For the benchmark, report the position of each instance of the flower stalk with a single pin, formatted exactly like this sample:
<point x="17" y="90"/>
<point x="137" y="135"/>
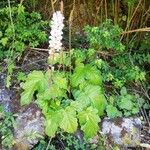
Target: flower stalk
<point x="55" y="38"/>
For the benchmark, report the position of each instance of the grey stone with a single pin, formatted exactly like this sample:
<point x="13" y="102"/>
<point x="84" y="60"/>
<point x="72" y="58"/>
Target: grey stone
<point x="5" y="94"/>
<point x="29" y="128"/>
<point x="122" y="131"/>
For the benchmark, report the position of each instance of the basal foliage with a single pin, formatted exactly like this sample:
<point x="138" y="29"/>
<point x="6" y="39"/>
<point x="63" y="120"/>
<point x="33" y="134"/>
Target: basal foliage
<point x="85" y="105"/>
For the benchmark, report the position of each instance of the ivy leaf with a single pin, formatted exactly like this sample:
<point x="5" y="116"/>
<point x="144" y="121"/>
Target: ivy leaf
<point x="35" y="82"/>
<point x="52" y="123"/>
<point x="69" y="121"/>
<point x="89" y="120"/>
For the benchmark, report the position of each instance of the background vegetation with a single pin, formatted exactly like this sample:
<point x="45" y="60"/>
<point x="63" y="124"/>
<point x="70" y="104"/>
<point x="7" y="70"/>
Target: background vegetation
<point x="108" y="42"/>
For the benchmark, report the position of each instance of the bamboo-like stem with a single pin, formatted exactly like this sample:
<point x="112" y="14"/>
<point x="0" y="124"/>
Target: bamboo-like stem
<point x="106" y="9"/>
<point x="129" y="21"/>
<point x="97" y="13"/>
<point x="101" y="11"/>
<point x="137" y="30"/>
<point x="116" y="11"/>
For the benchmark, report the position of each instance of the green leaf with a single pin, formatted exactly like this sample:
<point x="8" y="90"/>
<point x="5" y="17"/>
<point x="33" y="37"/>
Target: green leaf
<point x="21" y="76"/>
<point x="35" y="82"/>
<point x="21" y="9"/>
<point x="19" y="46"/>
<point x="97" y="97"/>
<point x="56" y="92"/>
<point x="89" y="120"/>
<point x="52" y="123"/>
<point x="26" y="96"/>
<point x="76" y="106"/>
<point x="79" y="55"/>
<point x="60" y="80"/>
<point x="123" y="91"/>
<point x="127" y="113"/>
<point x="78" y="76"/>
<point x="83" y="99"/>
<point x="1" y="34"/>
<point x="88" y="72"/>
<point x="100" y="103"/>
<point x="91" y="95"/>
<point x="4" y="41"/>
<point x="146" y="106"/>
<point x="135" y="110"/>
<point x="44" y="96"/>
<point x="112" y="112"/>
<point x="93" y="75"/>
<point x="44" y="105"/>
<point x="125" y="104"/>
<point x="69" y="121"/>
<point x="8" y="81"/>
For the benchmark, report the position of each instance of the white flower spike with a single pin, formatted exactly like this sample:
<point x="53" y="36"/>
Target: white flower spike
<point x="56" y="32"/>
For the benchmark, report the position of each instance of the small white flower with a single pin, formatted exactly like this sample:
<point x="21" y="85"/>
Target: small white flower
<point x="56" y="31"/>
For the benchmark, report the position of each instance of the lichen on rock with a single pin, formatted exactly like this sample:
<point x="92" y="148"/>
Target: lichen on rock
<point x="122" y="131"/>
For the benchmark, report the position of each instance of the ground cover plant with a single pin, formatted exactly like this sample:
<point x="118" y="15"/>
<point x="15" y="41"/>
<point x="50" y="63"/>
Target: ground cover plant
<point x="93" y="71"/>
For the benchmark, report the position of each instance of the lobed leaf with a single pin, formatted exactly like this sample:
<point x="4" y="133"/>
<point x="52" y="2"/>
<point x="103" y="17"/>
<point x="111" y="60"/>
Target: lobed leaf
<point x="89" y="120"/>
<point x="69" y="121"/>
<point x="35" y="82"/>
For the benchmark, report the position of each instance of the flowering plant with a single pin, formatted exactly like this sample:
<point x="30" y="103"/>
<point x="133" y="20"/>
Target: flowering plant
<point x="70" y="97"/>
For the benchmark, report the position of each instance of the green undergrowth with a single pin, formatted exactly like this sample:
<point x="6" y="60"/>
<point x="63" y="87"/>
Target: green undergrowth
<point x="19" y="31"/>
<point x="6" y="127"/>
<point x="80" y="97"/>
